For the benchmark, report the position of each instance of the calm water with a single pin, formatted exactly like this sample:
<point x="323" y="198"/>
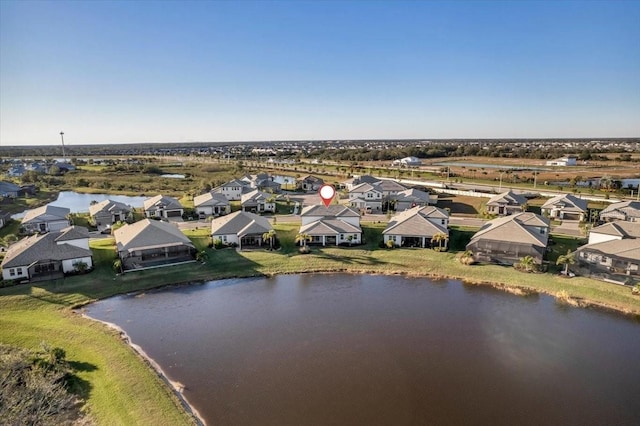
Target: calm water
<point x="79" y="202"/>
<point x="376" y="350"/>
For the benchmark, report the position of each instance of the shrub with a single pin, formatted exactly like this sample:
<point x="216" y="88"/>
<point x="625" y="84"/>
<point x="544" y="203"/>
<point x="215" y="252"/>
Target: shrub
<point x="304" y="250"/>
<point x="390" y="244"/>
<point x="636" y="290"/>
<point x="217" y="243"/>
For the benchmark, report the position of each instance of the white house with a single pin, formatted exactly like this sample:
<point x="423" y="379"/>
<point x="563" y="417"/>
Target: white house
<point x="48" y="256"/>
<point x="566" y="206"/>
<point x="365" y="196"/>
<point x="211" y="204"/>
<point x="241" y="228"/>
<point x="258" y="202"/>
<point x="416" y="227"/>
<point x="232" y="190"/>
<point x="408" y="162"/>
<point x="333" y="225"/>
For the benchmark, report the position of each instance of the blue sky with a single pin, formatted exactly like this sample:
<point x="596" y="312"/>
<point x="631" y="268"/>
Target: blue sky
<point x="143" y="71"/>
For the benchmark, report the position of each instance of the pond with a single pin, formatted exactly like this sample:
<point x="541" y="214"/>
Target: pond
<point x="378" y="350"/>
<point x="80" y="202"/>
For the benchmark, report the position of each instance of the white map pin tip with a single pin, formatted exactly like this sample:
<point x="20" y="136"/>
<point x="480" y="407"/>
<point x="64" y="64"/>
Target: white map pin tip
<point x="327" y="193"/>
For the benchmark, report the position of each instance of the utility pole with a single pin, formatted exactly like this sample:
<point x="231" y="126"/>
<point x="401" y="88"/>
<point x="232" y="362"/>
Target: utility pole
<point x="63" y="156"/>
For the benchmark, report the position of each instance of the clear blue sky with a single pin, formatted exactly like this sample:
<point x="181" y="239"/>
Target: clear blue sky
<point x="143" y="71"/>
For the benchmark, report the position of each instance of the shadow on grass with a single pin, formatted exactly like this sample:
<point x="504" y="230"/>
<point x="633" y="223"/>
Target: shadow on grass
<point x="77" y="385"/>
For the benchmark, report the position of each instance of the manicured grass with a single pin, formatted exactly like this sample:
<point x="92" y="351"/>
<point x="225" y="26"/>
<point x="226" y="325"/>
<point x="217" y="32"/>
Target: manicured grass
<point x="120" y="389"/>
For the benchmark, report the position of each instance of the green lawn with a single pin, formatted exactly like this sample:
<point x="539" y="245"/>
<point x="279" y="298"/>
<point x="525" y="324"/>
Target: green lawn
<point x="121" y="389"/>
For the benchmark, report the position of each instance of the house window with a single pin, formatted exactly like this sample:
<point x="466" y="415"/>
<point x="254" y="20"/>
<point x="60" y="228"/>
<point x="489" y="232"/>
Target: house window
<point x="342" y="236"/>
<point x="444" y="222"/>
<point x="542" y="231"/>
<point x="224" y="238"/>
<point x="12" y="272"/>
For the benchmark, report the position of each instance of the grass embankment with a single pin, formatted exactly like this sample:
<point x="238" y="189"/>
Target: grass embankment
<point x="120" y="389"/>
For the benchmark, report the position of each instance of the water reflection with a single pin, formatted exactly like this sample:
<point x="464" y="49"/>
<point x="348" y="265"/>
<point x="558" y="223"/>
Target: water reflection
<point x="362" y="349"/>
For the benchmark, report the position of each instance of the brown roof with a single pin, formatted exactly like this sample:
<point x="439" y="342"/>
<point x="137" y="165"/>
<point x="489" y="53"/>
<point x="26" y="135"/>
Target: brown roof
<point x="415" y="222"/>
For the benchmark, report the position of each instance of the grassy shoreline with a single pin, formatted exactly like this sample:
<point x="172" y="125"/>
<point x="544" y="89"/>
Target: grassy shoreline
<point x="122" y="388"/>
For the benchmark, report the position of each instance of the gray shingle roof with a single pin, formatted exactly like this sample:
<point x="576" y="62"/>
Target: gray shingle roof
<point x="46" y="214"/>
<point x="240" y="223"/>
<point x="568" y="202"/>
<point x="210" y="199"/>
<point x="509" y="198"/>
<point x="519" y="228"/>
<point x="415" y="222"/>
<point x="255" y="196"/>
<point x="627" y="249"/>
<point x="168" y="203"/>
<point x="333" y="211"/>
<point x="108" y="206"/>
<point x="48" y="246"/>
<point x="624" y="209"/>
<point x="149" y="233"/>
<point x="329" y="227"/>
<point x="620" y="229"/>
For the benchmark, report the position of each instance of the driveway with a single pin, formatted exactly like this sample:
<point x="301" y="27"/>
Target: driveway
<point x="568" y="227"/>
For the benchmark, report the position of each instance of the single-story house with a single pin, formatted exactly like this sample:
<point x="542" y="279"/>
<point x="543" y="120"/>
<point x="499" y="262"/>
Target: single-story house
<point x="9" y="189"/>
<point x="45" y="219"/>
<point x="257" y="201"/>
<point x="5" y="217"/>
<point x="506" y="203"/>
<point x="565" y="207"/>
<point x="309" y="183"/>
<point x="211" y="204"/>
<point x="509" y="238"/>
<point x="563" y="161"/>
<point x="626" y="210"/>
<point x="48" y="256"/>
<point x="417" y="227"/>
<point x="108" y="212"/>
<point x="241" y="228"/>
<point x="163" y="207"/>
<point x="613" y="248"/>
<point x="410" y="198"/>
<point x="333" y="225"/>
<point x="408" y="162"/>
<point x="149" y="243"/>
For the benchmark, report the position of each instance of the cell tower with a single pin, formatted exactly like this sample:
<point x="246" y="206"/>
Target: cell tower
<point x="62" y="137"/>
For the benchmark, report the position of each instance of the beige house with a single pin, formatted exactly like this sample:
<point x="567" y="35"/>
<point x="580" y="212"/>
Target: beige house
<point x="626" y="210"/>
<point x="506" y="203"/>
<point x="150" y="243"/>
<point x="613" y="248"/>
<point x="241" y="229"/>
<point x="416" y="227"/>
<point x="507" y="239"/>
<point x="211" y="204"/>
<point x="257" y="201"/>
<point x="333" y="225"/>
<point x="565" y="207"/>
<point x="48" y="256"/>
<point x="162" y="207"/>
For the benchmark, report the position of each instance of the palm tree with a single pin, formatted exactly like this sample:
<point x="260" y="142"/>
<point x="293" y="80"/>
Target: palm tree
<point x="117" y="265"/>
<point x="270" y="235"/>
<point x="441" y="239"/>
<point x="566" y="260"/>
<point x="202" y="256"/>
<point x="527" y="263"/>
<point x="302" y="238"/>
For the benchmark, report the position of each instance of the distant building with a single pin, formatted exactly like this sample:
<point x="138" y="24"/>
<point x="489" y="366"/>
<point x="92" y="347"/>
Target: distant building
<point x="163" y="207"/>
<point x="408" y="162"/>
<point x="506" y="204"/>
<point x="565" y="206"/>
<point x="563" y="161"/>
<point x="108" y="212"/>
<point x="309" y="183"/>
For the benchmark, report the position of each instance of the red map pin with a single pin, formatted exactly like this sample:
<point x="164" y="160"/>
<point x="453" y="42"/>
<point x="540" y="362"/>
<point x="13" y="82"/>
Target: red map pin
<point x="327" y="192"/>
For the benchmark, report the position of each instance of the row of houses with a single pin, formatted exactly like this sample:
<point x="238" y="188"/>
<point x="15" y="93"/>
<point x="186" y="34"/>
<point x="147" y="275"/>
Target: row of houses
<point x="372" y="194"/>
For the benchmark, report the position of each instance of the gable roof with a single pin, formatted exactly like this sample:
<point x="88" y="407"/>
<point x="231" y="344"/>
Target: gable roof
<point x="416" y="221"/>
<point x="48" y="246"/>
<point x="6" y="187"/>
<point x="333" y="211"/>
<point x="46" y="214"/>
<point x="364" y="188"/>
<point x="387" y="185"/>
<point x="329" y="226"/>
<point x="108" y="206"/>
<point x="625" y="208"/>
<point x="162" y="201"/>
<point x="311" y="178"/>
<point x="255" y="196"/>
<point x="568" y="202"/>
<point x="619" y="229"/>
<point x="510" y="198"/>
<point x="210" y="199"/>
<point x="517" y="228"/>
<point x="240" y="223"/>
<point x="627" y="248"/>
<point x="413" y="194"/>
<point x="234" y="183"/>
<point x="147" y="234"/>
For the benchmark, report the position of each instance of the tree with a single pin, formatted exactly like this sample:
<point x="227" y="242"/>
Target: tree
<point x="566" y="260"/>
<point x="302" y="238"/>
<point x="117" y="266"/>
<point x="270" y="236"/>
<point x="528" y="264"/>
<point x="440" y="239"/>
<point x="81" y="267"/>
